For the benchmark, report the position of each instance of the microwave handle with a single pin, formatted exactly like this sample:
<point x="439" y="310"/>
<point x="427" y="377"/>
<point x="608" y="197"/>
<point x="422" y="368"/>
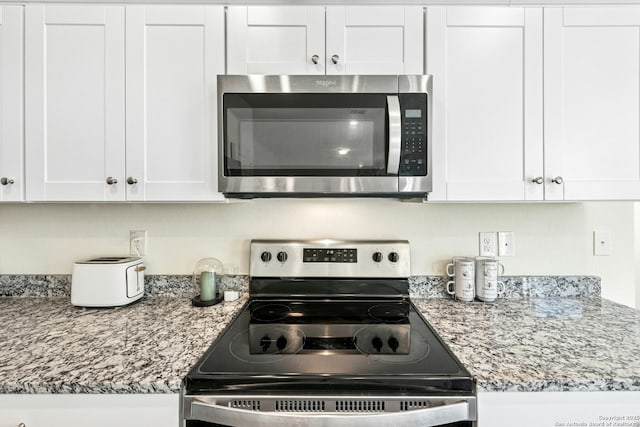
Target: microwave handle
<point x="395" y="134"/>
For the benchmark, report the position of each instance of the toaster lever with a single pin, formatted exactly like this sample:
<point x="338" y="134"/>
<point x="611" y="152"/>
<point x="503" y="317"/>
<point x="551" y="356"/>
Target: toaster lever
<point x="141" y="268"/>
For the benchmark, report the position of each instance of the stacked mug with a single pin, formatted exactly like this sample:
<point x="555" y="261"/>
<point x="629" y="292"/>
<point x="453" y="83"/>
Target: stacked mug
<point x="475" y="277"/>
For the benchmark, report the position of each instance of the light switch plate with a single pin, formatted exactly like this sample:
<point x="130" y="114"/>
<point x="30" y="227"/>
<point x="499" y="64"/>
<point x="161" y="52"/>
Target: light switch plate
<point x="601" y="243"/>
<point x="506" y="243"/>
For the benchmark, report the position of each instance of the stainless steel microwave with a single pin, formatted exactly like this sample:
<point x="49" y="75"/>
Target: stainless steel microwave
<point x="324" y="136"/>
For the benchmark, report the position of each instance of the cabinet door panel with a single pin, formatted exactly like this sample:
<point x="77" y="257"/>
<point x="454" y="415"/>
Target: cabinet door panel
<point x="11" y="103"/>
<point x="550" y="408"/>
<point x="174" y="54"/>
<point x="96" y="410"/>
<point x="375" y="40"/>
<point x="592" y="103"/>
<point x="487" y="121"/>
<point x="74" y="102"/>
<point x="275" y="40"/>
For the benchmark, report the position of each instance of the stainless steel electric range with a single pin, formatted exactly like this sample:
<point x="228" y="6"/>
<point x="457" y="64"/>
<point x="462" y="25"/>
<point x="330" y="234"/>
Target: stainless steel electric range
<point x="329" y="337"/>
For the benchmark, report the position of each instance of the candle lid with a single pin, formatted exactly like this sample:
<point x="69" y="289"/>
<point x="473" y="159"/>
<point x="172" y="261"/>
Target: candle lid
<point x="212" y="265"/>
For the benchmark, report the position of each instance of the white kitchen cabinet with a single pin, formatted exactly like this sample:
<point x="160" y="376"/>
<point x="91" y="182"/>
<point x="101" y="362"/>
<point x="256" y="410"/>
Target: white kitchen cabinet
<point x="74" y="94"/>
<point x="275" y="39"/>
<point x="11" y="104"/>
<point x="291" y="40"/>
<point x="374" y="40"/>
<point x="592" y="103"/>
<point x="81" y="145"/>
<point x="174" y="54"/>
<point x="96" y="410"/>
<point x="487" y="72"/>
<point x="553" y="409"/>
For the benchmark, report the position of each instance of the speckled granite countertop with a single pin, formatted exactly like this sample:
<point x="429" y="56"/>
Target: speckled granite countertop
<point x="542" y="344"/>
<point x="520" y="344"/>
<point x="49" y="346"/>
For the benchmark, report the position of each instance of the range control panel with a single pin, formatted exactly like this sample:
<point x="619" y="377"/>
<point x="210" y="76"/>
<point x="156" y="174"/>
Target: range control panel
<point x="329" y="255"/>
<point x="330" y="258"/>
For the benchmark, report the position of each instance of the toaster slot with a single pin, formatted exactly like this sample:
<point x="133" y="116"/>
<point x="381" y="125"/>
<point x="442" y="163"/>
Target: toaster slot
<point x="135" y="280"/>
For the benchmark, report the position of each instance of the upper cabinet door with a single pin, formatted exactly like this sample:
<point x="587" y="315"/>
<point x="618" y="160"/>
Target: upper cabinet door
<point x="75" y="136"/>
<point x="592" y="103"/>
<point x="374" y="40"/>
<point x="487" y="102"/>
<point x="174" y="54"/>
<point x="11" y="104"/>
<point x="275" y="40"/>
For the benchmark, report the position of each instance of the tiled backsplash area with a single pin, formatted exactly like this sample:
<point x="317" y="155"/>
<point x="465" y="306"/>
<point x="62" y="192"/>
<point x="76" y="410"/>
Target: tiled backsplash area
<point x="420" y="286"/>
<point x="516" y="286"/>
<point x="59" y="285"/>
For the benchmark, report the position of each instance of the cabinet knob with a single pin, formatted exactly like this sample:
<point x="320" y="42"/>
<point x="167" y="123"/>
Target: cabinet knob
<point x="557" y="180"/>
<point x="537" y="180"/>
<point x="22" y="425"/>
<point x="131" y="181"/>
<point x="315" y="59"/>
<point x="6" y="181"/>
<point x="335" y="59"/>
<point x="111" y="180"/>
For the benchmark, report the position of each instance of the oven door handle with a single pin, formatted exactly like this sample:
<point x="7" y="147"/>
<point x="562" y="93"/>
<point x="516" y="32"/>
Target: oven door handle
<point x="395" y="134"/>
<point x="429" y="417"/>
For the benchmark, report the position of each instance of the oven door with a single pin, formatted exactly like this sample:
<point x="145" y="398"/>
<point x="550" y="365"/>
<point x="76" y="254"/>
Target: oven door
<point x="334" y="411"/>
<point x="310" y="142"/>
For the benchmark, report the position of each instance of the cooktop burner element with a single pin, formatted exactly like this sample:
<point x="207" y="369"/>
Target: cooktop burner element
<point x="328" y="333"/>
<point x="388" y="313"/>
<point x="272" y="347"/>
<point x="270" y="312"/>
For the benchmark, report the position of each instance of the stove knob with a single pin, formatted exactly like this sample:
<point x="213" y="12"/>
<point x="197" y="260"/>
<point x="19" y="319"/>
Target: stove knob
<point x="394" y="257"/>
<point x="282" y="256"/>
<point x="265" y="256"/>
<point x="393" y="343"/>
<point x="281" y="343"/>
<point x="377" y="256"/>
<point x="265" y="343"/>
<point x="377" y="344"/>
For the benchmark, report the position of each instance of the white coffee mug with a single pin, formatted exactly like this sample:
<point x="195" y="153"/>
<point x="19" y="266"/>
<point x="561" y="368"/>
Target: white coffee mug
<point x="462" y="287"/>
<point x="488" y="287"/>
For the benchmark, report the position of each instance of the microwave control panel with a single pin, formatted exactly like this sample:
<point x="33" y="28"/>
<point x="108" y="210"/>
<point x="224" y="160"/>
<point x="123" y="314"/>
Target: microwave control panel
<point x="413" y="154"/>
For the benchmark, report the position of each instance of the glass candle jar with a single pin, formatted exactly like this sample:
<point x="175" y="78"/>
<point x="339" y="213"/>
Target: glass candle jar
<point x="206" y="278"/>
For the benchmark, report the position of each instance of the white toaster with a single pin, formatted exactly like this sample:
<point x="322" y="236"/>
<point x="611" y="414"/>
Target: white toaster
<point x="107" y="281"/>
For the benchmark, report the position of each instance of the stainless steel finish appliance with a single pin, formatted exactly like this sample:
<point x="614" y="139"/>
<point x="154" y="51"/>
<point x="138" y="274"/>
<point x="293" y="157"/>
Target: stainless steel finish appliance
<point x="329" y="337"/>
<point x="324" y="136"/>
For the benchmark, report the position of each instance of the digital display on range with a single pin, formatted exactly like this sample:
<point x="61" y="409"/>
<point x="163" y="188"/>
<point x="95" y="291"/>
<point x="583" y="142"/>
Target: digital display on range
<point x="329" y="255"/>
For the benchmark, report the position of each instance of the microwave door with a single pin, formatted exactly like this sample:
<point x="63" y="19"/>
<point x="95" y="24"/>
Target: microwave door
<point x="334" y="144"/>
<point x="395" y="134"/>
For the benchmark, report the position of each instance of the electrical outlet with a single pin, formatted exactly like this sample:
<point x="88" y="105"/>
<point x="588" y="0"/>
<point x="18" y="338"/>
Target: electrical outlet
<point x="138" y="242"/>
<point x="506" y="243"/>
<point x="601" y="243"/>
<point x="488" y="244"/>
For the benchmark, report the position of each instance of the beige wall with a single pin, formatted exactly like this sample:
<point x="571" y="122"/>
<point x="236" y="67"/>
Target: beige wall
<point x="550" y="239"/>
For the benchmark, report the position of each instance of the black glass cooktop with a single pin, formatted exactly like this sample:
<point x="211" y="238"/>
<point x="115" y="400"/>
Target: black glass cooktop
<point x="230" y="365"/>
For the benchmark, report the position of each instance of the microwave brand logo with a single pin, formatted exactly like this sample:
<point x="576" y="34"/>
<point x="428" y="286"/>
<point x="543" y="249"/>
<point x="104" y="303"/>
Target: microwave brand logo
<point x="326" y="83"/>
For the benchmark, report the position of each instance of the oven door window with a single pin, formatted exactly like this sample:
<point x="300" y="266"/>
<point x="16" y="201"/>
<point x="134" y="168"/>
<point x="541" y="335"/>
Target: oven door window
<point x="305" y="134"/>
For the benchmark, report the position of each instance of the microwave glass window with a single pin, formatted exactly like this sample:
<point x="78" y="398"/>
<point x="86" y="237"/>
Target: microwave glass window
<point x="318" y="136"/>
